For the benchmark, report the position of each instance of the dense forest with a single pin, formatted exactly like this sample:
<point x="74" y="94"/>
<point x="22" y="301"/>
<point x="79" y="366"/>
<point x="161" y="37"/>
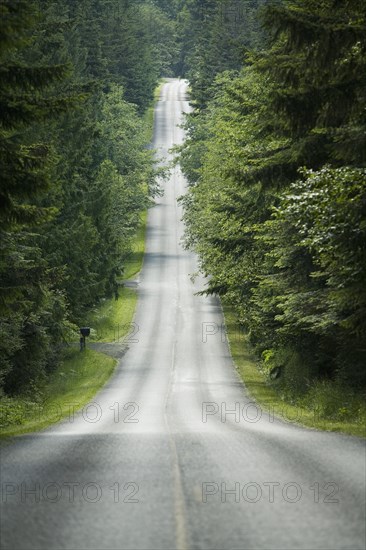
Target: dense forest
<point x="75" y="167"/>
<point x="275" y="158"/>
<point x="276" y="208"/>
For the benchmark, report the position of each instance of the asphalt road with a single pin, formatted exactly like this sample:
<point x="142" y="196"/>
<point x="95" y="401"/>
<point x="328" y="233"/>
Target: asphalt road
<point x="158" y="461"/>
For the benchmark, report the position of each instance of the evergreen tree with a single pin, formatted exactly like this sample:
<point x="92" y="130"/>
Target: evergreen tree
<point x="23" y="101"/>
<point x="30" y="307"/>
<point x="294" y="279"/>
<point x="318" y="65"/>
<point x="73" y="185"/>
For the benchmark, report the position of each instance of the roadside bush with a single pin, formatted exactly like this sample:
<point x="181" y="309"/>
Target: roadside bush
<point x="14" y="411"/>
<point x="333" y="401"/>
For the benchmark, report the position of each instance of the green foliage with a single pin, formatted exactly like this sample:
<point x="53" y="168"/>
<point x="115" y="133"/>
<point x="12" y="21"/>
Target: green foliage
<point x="318" y="65"/>
<point x="336" y="402"/>
<point x="214" y="37"/>
<point x="76" y="172"/>
<point x="68" y="388"/>
<point x="289" y="257"/>
<point x="316" y="262"/>
<point x="326" y="405"/>
<point x="225" y="147"/>
<point x="24" y="100"/>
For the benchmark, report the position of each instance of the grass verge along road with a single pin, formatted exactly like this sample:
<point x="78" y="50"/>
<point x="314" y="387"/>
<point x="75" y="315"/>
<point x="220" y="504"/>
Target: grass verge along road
<point x="312" y="415"/>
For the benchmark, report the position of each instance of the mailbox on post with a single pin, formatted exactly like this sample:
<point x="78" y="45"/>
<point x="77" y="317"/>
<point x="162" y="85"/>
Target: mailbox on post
<point x="84" y="331"/>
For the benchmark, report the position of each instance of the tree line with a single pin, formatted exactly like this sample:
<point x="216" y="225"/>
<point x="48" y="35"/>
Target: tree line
<point x="276" y="207"/>
<point x="76" y="172"/>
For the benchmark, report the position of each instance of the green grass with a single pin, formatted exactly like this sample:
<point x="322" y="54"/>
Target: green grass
<point x="69" y="388"/>
<point x="134" y="263"/>
<point x="149" y="114"/>
<point x="111" y="321"/>
<point x="266" y="396"/>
